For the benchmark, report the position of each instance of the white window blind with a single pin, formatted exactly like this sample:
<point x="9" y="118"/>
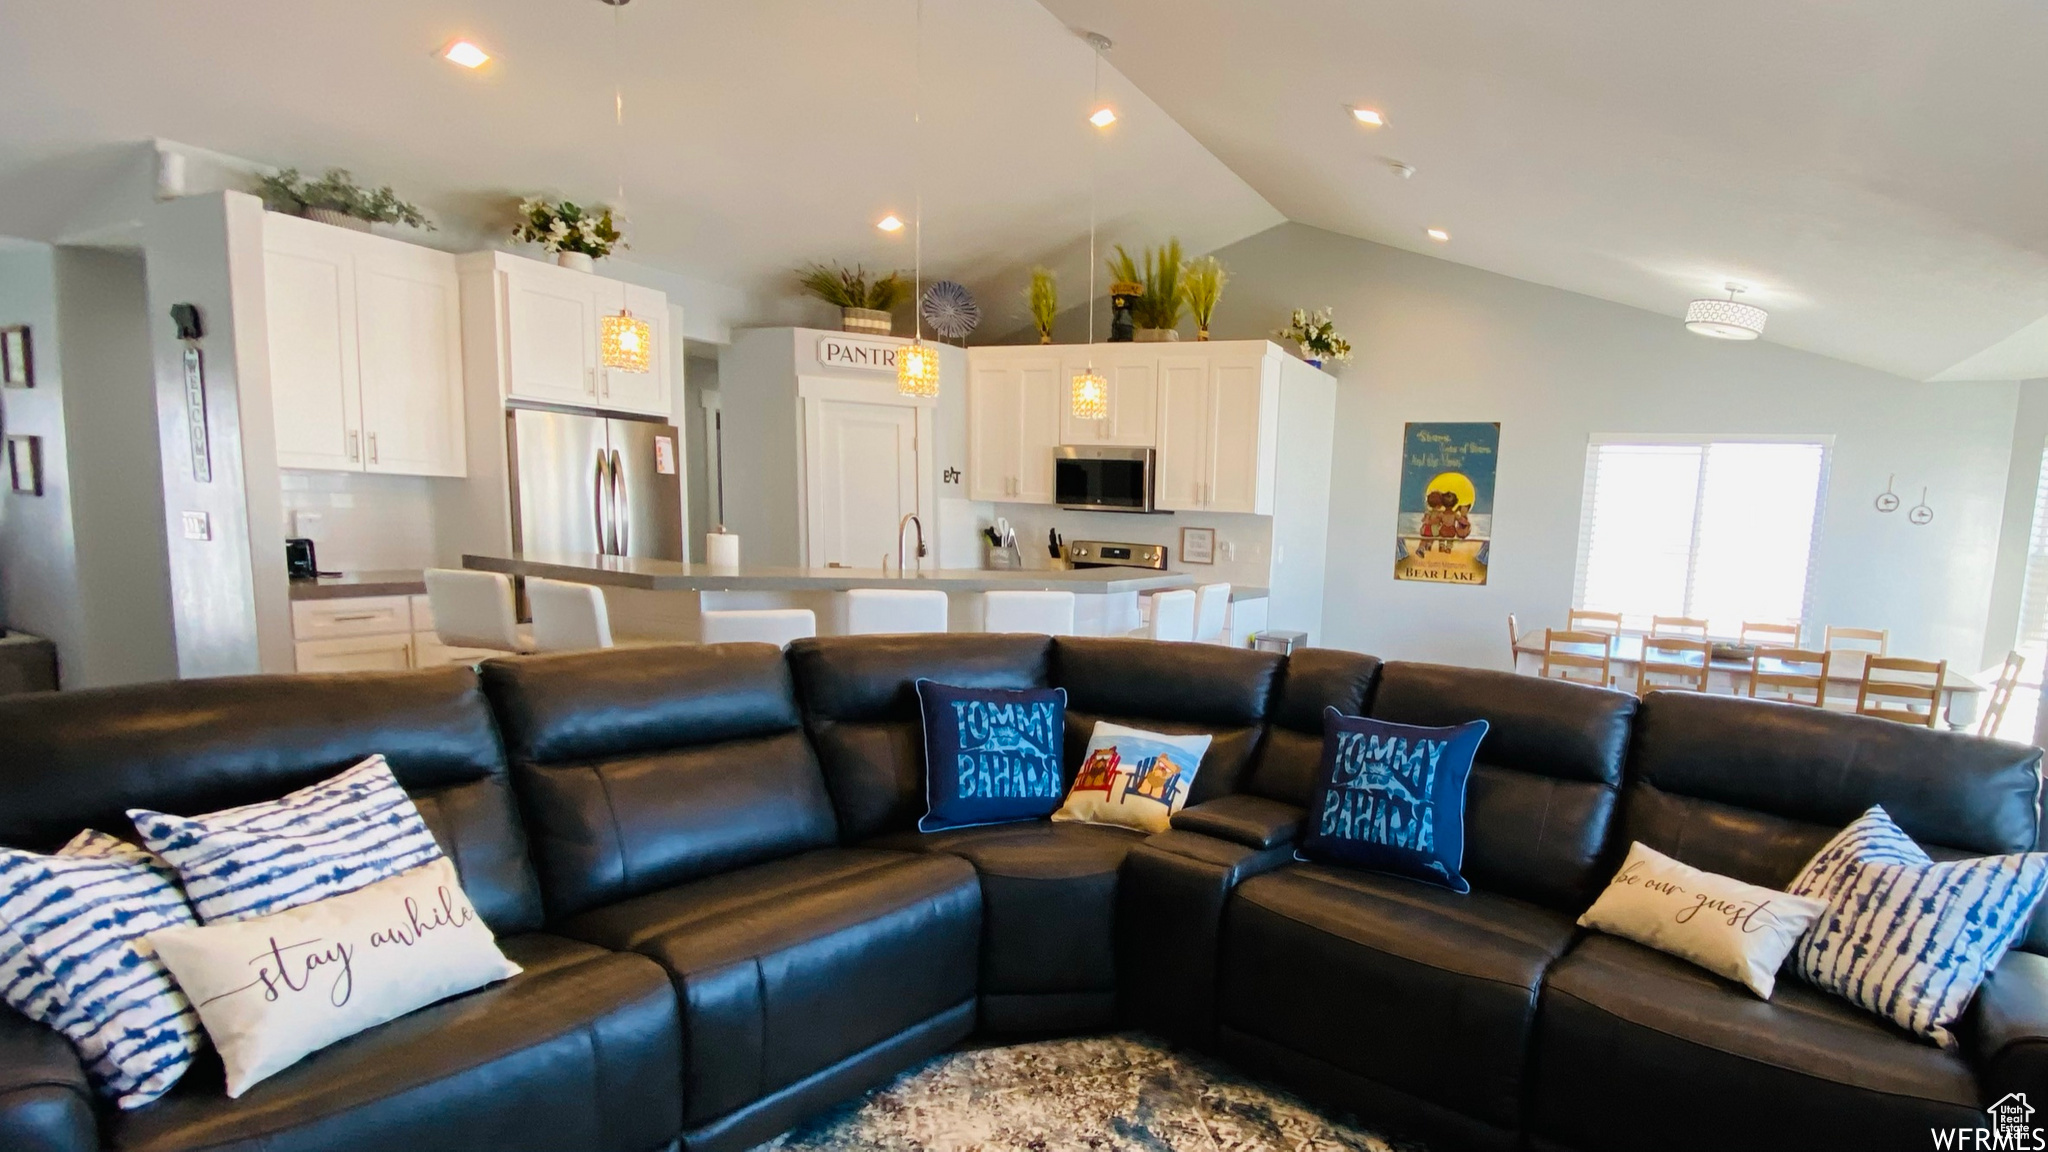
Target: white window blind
<point x="1720" y="529"/>
<point x="2033" y="637"/>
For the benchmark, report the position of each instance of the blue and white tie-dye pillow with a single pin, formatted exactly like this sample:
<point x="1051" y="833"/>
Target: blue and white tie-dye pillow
<point x="72" y="957"/>
<point x="341" y="834"/>
<point x="1906" y="937"/>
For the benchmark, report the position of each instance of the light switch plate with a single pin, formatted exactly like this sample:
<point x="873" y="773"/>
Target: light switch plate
<point x="198" y="525"/>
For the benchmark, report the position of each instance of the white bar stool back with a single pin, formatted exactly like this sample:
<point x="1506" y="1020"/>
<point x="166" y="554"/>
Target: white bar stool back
<point x="875" y="611"/>
<point x="1212" y="609"/>
<point x="1173" y="616"/>
<point x="475" y="610"/>
<point x="568" y="617"/>
<point x="777" y="626"/>
<point x="1050" y="613"/>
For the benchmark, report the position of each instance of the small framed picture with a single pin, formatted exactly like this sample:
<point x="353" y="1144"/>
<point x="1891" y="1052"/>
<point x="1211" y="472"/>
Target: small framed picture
<point x="1198" y="545"/>
<point x="25" y="464"/>
<point x="17" y="363"/>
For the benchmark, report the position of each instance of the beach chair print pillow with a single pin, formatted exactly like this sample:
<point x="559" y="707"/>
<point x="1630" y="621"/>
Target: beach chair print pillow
<point x="1132" y="778"/>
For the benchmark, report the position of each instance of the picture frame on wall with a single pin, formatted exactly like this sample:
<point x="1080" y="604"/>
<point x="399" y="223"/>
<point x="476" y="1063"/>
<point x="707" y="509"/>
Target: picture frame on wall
<point x="25" y="464"/>
<point x="1198" y="545"/>
<point x="17" y="360"/>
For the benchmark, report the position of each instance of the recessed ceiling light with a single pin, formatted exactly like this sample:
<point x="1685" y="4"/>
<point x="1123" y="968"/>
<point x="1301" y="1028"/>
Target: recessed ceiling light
<point x="889" y="223"/>
<point x="1369" y="116"/>
<point x="1438" y="235"/>
<point x="465" y="54"/>
<point x="1103" y="118"/>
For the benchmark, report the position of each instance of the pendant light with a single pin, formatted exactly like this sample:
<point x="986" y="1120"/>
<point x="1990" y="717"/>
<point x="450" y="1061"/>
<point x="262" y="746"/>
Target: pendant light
<point x="1090" y="398"/>
<point x="624" y="340"/>
<point x="1728" y="319"/>
<point x="917" y="364"/>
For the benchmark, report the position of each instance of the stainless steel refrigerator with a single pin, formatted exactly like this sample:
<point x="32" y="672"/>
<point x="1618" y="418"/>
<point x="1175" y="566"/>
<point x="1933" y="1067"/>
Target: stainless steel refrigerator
<point x="584" y="483"/>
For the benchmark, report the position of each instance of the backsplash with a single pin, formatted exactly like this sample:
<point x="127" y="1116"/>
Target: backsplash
<point x="1246" y="540"/>
<point x="359" y="521"/>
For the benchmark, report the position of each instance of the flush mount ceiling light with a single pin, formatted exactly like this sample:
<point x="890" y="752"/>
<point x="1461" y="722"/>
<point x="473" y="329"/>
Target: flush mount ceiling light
<point x="625" y="342"/>
<point x="1369" y="116"/>
<point x="1438" y="235"/>
<point x="889" y="223"/>
<point x="1103" y="118"/>
<point x="917" y="365"/>
<point x="1728" y="319"/>
<point x="1104" y="115"/>
<point x="465" y="54"/>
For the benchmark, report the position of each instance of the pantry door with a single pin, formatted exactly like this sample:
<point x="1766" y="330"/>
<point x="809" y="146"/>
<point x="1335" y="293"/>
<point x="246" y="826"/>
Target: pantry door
<point x="863" y="464"/>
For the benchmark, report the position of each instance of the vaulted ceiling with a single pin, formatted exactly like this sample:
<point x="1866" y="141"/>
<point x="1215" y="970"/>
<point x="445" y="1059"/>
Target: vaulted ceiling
<point x="1870" y="169"/>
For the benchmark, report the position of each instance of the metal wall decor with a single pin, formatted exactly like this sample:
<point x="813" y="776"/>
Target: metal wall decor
<point x="1886" y="501"/>
<point x="950" y="309"/>
<point x="17" y="360"/>
<point x="1920" y="513"/>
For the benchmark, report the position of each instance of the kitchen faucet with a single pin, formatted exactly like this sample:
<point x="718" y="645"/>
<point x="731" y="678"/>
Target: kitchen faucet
<point x="910" y="519"/>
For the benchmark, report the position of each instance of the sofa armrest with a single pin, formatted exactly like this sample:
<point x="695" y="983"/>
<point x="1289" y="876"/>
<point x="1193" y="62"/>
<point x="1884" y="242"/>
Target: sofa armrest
<point x="1252" y="821"/>
<point x="2010" y="1041"/>
<point x="45" y="1103"/>
<point x="1170" y="899"/>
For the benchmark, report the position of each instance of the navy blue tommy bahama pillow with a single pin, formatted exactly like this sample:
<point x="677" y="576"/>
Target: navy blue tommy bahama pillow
<point x="991" y="755"/>
<point x="1391" y="798"/>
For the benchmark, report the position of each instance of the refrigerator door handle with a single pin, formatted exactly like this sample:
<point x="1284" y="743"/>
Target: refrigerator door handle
<point x="620" y="513"/>
<point x="603" y="517"/>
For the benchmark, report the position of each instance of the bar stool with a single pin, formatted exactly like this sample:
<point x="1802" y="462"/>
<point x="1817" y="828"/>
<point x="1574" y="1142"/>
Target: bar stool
<point x="876" y="611"/>
<point x="777" y="626"/>
<point x="475" y="610"/>
<point x="1212" y="609"/>
<point x="568" y="617"/>
<point x="1050" y="613"/>
<point x="1173" y="617"/>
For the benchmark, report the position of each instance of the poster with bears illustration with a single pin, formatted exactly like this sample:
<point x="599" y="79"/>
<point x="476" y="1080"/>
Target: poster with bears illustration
<point x="1444" y="531"/>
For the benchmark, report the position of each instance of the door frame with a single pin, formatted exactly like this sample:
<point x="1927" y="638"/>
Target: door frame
<point x="810" y="391"/>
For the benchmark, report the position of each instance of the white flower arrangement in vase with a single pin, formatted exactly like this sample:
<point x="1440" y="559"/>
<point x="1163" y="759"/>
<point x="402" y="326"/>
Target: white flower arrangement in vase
<point x="577" y="236"/>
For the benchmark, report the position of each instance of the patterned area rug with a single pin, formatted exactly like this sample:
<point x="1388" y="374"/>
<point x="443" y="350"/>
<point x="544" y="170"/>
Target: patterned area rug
<point x="1109" y="1093"/>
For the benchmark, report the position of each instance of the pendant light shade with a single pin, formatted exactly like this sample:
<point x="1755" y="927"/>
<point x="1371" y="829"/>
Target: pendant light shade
<point x="1728" y="319"/>
<point x="1088" y="399"/>
<point x="917" y="366"/>
<point x="917" y="370"/>
<point x="1091" y="395"/>
<point x="624" y="342"/>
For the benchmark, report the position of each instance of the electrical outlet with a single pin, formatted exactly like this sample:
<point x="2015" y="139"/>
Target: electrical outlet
<point x="1226" y="550"/>
<point x="198" y="525"/>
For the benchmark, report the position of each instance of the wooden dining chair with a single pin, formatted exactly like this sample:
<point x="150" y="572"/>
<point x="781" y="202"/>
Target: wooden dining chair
<point x="1514" y="645"/>
<point x="1769" y="634"/>
<point x="1791" y="675"/>
<point x="1673" y="662"/>
<point x="1692" y="626"/>
<point x="1581" y="657"/>
<point x="1909" y="683"/>
<point x="1587" y="620"/>
<point x="1852" y="646"/>
<point x="2001" y="694"/>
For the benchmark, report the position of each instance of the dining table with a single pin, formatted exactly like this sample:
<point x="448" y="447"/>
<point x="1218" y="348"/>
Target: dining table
<point x="1959" y="692"/>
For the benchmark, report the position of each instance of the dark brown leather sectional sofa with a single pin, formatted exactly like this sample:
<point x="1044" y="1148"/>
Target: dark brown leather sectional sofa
<point x="706" y="860"/>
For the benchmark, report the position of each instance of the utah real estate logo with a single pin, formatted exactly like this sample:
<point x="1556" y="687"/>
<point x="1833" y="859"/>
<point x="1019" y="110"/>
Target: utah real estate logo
<point x="2011" y="1129"/>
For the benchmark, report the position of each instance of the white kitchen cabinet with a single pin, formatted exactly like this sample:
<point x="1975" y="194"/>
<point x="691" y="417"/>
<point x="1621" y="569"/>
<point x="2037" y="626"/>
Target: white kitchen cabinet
<point x="1131" y="383"/>
<point x="392" y="653"/>
<point x="646" y="392"/>
<point x="1014" y="406"/>
<point x="552" y="332"/>
<point x="365" y="339"/>
<point x="1218" y="430"/>
<point x="372" y="633"/>
<point x="1182" y="460"/>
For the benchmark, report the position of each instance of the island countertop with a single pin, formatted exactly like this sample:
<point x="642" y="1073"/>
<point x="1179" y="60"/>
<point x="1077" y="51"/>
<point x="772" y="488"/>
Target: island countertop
<point x="677" y="576"/>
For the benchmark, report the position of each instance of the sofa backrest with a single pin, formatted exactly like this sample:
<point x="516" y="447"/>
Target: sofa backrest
<point x="643" y="768"/>
<point x="1752" y="789"/>
<point x="1172" y="688"/>
<point x="859" y="700"/>
<point x="1292" y="753"/>
<point x="1539" y="809"/>
<point x="74" y="760"/>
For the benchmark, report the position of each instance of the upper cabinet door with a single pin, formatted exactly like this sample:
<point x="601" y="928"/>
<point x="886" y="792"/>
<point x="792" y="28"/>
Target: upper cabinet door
<point x="1236" y="405"/>
<point x="1134" y="404"/>
<point x="645" y="392"/>
<point x="409" y="326"/>
<point x="309" y="292"/>
<point x="1181" y="481"/>
<point x="995" y="401"/>
<point x="1041" y="402"/>
<point x="551" y="314"/>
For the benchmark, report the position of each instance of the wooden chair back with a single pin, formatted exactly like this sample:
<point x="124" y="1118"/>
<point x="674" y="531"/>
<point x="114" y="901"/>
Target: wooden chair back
<point x="1691" y="626"/>
<point x="1582" y="657"/>
<point x="1899" y="687"/>
<point x="1852" y="646"/>
<point x="1793" y="675"/>
<point x="1514" y="643"/>
<point x="1587" y="620"/>
<point x="1769" y="634"/>
<point x="2001" y="694"/>
<point x="1673" y="662"/>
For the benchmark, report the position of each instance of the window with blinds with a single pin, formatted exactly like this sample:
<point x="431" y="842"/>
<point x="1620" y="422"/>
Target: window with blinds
<point x="1720" y="529"/>
<point x="2033" y="634"/>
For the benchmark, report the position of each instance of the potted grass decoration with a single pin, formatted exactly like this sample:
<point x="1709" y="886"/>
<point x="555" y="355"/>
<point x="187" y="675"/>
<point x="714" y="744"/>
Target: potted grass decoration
<point x="863" y="304"/>
<point x="1156" y="310"/>
<point x="1202" y="286"/>
<point x="1043" y="298"/>
<point x="1316" y="335"/>
<point x="335" y="198"/>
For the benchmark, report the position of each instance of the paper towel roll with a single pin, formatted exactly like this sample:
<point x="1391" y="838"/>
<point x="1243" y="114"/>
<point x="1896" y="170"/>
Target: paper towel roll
<point x="722" y="550"/>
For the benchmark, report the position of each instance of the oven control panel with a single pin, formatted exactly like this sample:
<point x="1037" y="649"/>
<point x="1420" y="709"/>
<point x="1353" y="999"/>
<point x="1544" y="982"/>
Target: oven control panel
<point x="1110" y="553"/>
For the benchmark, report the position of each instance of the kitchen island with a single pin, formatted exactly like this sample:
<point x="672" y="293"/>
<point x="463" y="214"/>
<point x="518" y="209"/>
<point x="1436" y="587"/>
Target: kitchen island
<point x="663" y="598"/>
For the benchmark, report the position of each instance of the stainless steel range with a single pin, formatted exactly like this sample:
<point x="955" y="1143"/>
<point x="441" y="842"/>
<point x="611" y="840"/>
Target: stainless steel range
<point x="1111" y="554"/>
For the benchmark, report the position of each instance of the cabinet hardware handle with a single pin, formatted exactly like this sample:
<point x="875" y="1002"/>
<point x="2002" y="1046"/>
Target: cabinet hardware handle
<point x="373" y="447"/>
<point x="353" y="616"/>
<point x="355" y="446"/>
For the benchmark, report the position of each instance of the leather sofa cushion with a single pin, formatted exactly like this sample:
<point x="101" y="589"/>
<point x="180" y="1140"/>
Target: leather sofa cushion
<point x="1629" y="1040"/>
<point x="859" y="700"/>
<point x="1311" y="680"/>
<point x="70" y="760"/>
<point x="1752" y="788"/>
<point x="1396" y="981"/>
<point x="644" y="768"/>
<point x="786" y="968"/>
<point x="578" y="1051"/>
<point x="1048" y="900"/>
<point x="45" y="1103"/>
<point x="1172" y="688"/>
<point x="1539" y="809"/>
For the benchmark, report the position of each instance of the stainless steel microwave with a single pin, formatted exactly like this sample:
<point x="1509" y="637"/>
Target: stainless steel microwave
<point x="1102" y="479"/>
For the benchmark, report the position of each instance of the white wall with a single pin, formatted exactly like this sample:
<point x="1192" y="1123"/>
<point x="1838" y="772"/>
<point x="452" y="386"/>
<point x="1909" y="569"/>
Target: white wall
<point x="1440" y="341"/>
<point x="38" y="559"/>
